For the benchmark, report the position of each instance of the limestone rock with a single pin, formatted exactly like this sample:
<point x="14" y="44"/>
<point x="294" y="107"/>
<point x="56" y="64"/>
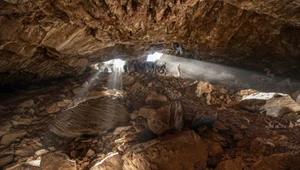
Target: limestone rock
<point x="11" y="137"/>
<point x="262" y="146"/>
<point x="41" y="152"/>
<point x="275" y="104"/>
<point x="166" y="117"/>
<point x="90" y="153"/>
<point x="25" y="166"/>
<point x="155" y="98"/>
<point x="6" y="160"/>
<point x="110" y="162"/>
<point x="185" y="150"/>
<point x="215" y="149"/>
<point x="5" y="128"/>
<point x="118" y="130"/>
<point x="52" y="108"/>
<point x="57" y="161"/>
<point x="220" y="126"/>
<point x="96" y="94"/>
<point x="296" y="96"/>
<point x="235" y="164"/>
<point x="90" y="117"/>
<point x="278" y="162"/>
<point x="158" y="120"/>
<point x="25" y="151"/>
<point x="27" y="103"/>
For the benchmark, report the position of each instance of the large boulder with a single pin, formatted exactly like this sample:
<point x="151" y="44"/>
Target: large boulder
<point x="11" y="137"/>
<point x="181" y="151"/>
<point x="155" y="98"/>
<point x="57" y="161"/>
<point x="274" y="104"/>
<point x="199" y="90"/>
<point x="278" y="162"/>
<point x="168" y="116"/>
<point x="90" y="117"/>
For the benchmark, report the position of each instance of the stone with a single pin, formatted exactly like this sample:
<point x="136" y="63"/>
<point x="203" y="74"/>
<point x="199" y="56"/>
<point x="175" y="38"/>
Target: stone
<point x="215" y="149"/>
<point x="278" y="162"/>
<point x="220" y="126"/>
<point x="204" y="120"/>
<point x="52" y="108"/>
<point x="64" y="103"/>
<point x="237" y="137"/>
<point x="223" y="90"/>
<point x="158" y="120"/>
<point x="118" y="130"/>
<point x="155" y="98"/>
<point x="89" y="118"/>
<point x="12" y="136"/>
<point x="32" y="165"/>
<point x="24" y="121"/>
<point x="57" y="161"/>
<point x="247" y="92"/>
<point x="260" y="146"/>
<point x="27" y="104"/>
<point x="5" y="127"/>
<point x="25" y="151"/>
<point x="189" y="150"/>
<point x="235" y="164"/>
<point x="127" y="79"/>
<point x="90" y="153"/>
<point x="274" y="104"/>
<point x="96" y="94"/>
<point x="41" y="152"/>
<point x="296" y="96"/>
<point x="6" y="160"/>
<point x="112" y="161"/>
<point x="80" y="90"/>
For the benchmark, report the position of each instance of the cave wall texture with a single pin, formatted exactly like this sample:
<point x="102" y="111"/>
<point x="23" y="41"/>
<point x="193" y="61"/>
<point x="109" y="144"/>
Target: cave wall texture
<point x="42" y="39"/>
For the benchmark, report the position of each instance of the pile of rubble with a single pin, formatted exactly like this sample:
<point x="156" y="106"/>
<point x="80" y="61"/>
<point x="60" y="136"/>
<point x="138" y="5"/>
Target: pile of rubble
<point x="153" y="122"/>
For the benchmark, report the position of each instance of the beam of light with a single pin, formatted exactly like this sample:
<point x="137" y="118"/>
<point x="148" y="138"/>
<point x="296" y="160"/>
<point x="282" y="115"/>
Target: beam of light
<point x="234" y="78"/>
<point x="154" y="57"/>
<point x="115" y="77"/>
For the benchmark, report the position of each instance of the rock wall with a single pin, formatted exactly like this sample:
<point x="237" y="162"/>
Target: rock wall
<point x="45" y="39"/>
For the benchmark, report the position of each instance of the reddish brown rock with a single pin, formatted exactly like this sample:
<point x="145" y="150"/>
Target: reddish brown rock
<point x="181" y="151"/>
<point x="278" y="162"/>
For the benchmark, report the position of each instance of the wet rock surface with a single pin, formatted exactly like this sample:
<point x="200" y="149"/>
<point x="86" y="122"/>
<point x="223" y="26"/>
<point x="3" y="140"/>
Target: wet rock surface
<point x="154" y="122"/>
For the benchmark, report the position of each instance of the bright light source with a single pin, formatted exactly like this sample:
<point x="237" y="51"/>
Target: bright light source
<point x="154" y="57"/>
<point x="119" y="63"/>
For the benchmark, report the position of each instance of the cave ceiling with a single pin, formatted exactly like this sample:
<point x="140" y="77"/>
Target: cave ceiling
<point x="42" y="39"/>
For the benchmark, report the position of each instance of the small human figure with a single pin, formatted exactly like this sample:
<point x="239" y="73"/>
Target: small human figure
<point x="163" y="68"/>
<point x="135" y="65"/>
<point x="269" y="73"/>
<point x="125" y="67"/>
<point x="145" y="67"/>
<point x="106" y="70"/>
<point x="178" y="70"/>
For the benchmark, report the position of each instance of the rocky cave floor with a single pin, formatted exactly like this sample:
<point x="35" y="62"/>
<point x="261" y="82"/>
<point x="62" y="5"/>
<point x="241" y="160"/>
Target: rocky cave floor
<point x="155" y="122"/>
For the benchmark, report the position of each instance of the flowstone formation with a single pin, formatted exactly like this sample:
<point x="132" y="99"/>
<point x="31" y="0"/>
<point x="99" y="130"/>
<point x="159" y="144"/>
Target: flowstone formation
<point x="151" y="122"/>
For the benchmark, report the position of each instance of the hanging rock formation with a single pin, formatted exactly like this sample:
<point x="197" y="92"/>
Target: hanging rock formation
<point x="46" y="39"/>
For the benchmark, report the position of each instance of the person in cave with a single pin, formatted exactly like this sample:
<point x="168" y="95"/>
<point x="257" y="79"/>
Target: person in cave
<point x="178" y="70"/>
<point x="106" y="70"/>
<point x="163" y="69"/>
<point x="125" y="67"/>
<point x="154" y="67"/>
